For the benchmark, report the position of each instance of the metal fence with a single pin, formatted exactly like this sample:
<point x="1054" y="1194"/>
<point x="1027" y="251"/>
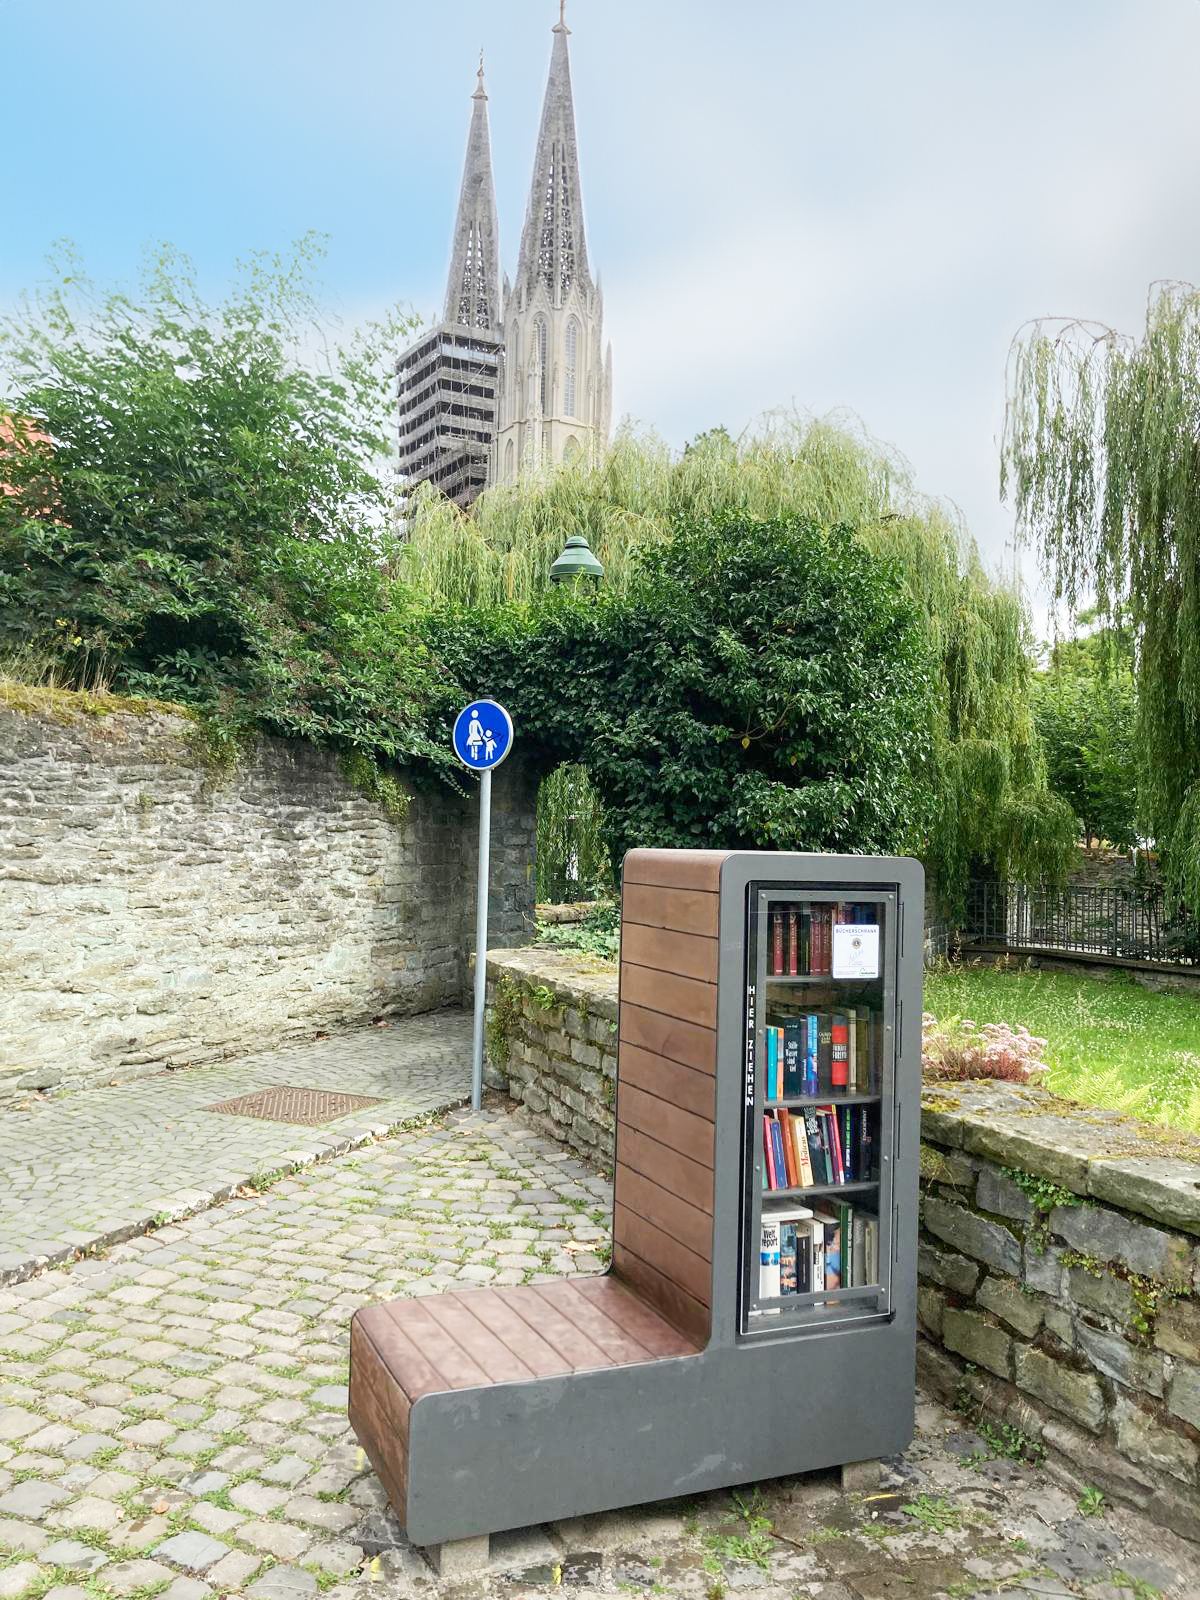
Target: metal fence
<point x="1117" y="923"/>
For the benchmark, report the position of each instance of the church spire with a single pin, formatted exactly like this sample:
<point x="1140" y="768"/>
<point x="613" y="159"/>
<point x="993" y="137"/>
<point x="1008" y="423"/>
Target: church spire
<point x="552" y="244"/>
<point x="473" y="290"/>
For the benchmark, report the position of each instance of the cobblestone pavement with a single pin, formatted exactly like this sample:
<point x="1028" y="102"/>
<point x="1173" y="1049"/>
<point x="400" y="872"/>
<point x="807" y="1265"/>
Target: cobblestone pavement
<point x="172" y="1421"/>
<point x="97" y="1166"/>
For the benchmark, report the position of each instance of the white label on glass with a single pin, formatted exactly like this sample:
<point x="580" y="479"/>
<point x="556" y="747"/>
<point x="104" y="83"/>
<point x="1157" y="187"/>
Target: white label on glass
<point x="856" y="950"/>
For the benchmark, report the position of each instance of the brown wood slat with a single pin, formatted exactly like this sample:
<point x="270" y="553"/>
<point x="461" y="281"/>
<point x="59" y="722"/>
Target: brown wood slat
<point x="675" y="869"/>
<point x="670" y="1125"/>
<point x="591" y="1320"/>
<point x="546" y="1320"/>
<point x="668" y="1080"/>
<point x="453" y="1312"/>
<point x="664" y="1252"/>
<point x="640" y="1320"/>
<point x="679" y="1308"/>
<point x="404" y="1359"/>
<point x="670" y="1170"/>
<point x="685" y="910"/>
<point x="686" y="1042"/>
<point x="687" y="954"/>
<point x="378" y="1411"/>
<point x="669" y="994"/>
<point x="457" y="1369"/>
<point x="691" y="1226"/>
<point x="541" y="1358"/>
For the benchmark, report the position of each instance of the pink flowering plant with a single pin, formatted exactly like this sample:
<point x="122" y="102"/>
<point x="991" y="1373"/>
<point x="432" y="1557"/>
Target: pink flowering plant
<point x="958" y="1048"/>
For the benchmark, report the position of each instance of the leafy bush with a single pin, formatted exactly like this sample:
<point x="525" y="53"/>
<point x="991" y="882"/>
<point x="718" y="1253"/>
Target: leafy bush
<point x="958" y="1048"/>
<point x="756" y="685"/>
<point x="205" y="522"/>
<point x="598" y="934"/>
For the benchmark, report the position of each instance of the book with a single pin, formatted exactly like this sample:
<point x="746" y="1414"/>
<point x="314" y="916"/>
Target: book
<point x="806" y="941"/>
<point x="852" y="1050"/>
<point x="810" y="1057"/>
<point x="781" y="1180"/>
<point x="829" y="1113"/>
<point x="794" y="1034"/>
<point x="818" y="1149"/>
<point x="862" y="1036"/>
<point x="772" y="1093"/>
<point x="769" y="1155"/>
<point x="768" y="1260"/>
<point x="831" y="1252"/>
<point x="789" y="1149"/>
<point x="799" y="1134"/>
<point x="839" y="1039"/>
<point x="824" y="1052"/>
<point x="793" y="948"/>
<point x="795" y="1250"/>
<point x="776" y="962"/>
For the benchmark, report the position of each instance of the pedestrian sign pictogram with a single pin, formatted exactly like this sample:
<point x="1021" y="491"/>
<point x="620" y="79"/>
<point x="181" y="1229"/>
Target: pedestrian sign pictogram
<point x="483" y="735"/>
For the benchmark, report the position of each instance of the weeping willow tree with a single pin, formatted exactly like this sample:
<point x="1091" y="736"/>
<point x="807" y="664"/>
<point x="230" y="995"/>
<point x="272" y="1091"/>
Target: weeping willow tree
<point x="572" y="859"/>
<point x="986" y="775"/>
<point x="1101" y="455"/>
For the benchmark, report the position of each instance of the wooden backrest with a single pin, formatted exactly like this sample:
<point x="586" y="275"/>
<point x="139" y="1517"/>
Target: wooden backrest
<point x="666" y="1083"/>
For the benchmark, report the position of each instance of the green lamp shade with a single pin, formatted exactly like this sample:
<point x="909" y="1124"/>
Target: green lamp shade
<point x="576" y="561"/>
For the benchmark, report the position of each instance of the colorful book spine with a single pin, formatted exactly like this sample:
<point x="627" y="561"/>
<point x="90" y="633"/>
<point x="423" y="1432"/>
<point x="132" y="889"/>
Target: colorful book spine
<point x="794" y="1033"/>
<point x="793" y="943"/>
<point x="769" y="1155"/>
<point x="789" y="1149"/>
<point x="803" y="1157"/>
<point x="835" y="1144"/>
<point x="824" y="1052"/>
<point x="811" y="1054"/>
<point x="768" y="1269"/>
<point x="772" y="1065"/>
<point x="777" y="966"/>
<point x="839" y="1037"/>
<point x="777" y="1151"/>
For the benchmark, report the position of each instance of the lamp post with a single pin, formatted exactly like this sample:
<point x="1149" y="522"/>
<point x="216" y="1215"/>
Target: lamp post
<point x="576" y="561"/>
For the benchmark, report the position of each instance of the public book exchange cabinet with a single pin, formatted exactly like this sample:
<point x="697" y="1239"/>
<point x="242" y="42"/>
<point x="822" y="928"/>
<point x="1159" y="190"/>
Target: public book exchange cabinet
<point x="759" y="1315"/>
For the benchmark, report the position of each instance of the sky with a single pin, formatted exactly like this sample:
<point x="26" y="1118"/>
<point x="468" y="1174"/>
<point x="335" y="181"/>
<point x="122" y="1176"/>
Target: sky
<point x="819" y="203"/>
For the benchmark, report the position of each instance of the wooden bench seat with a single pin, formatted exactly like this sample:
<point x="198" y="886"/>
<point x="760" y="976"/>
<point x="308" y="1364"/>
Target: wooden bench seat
<point x="404" y="1350"/>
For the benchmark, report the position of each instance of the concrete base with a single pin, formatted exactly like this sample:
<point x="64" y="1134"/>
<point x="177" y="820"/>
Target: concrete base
<point x="858" y="1477"/>
<point x="459" y="1558"/>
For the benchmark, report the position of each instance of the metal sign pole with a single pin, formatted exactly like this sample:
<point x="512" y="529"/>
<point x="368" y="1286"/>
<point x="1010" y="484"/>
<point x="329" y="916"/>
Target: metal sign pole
<point x="481" y="928"/>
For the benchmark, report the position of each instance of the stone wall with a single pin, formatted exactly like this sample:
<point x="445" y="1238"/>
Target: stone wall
<point x="1060" y="1263"/>
<point x="551" y="1043"/>
<point x="156" y="914"/>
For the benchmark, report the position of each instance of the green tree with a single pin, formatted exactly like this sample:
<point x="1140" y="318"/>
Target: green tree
<point x="1085" y="709"/>
<point x="206" y="520"/>
<point x="1101" y="455"/>
<point x="755" y="684"/>
<point x="984" y="794"/>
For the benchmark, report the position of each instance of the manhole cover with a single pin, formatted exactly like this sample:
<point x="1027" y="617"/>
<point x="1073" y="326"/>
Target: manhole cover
<point x="283" y="1103"/>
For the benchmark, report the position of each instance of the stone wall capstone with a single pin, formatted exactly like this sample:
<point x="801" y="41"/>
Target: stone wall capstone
<point x="156" y="914"/>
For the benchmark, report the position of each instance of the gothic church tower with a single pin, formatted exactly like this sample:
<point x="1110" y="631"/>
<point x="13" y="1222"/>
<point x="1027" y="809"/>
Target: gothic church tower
<point x="555" y="387"/>
<point x="446" y="380"/>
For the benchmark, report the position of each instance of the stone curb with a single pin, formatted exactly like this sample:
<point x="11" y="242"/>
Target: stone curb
<point x="184" y="1203"/>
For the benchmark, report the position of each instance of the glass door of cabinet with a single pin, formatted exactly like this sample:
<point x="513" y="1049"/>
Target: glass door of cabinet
<point x="819" y="1107"/>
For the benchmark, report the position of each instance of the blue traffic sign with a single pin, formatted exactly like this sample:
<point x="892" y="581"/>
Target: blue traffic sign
<point x="483" y="735"/>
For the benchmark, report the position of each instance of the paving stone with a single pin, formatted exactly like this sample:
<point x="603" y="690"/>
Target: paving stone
<point x="32" y="1499"/>
<point x="68" y="1591"/>
<point x="77" y="1557"/>
<point x="277" y="1539"/>
<point x="233" y="1571"/>
<point x="193" y="1551"/>
<point x="17" y="1580"/>
<point x="258" y="1498"/>
<point x="289" y="1470"/>
<point x="88" y="1512"/>
<point x="284" y="1583"/>
<point x="336" y="1559"/>
<point x="87" y="1445"/>
<point x="216" y="1519"/>
<point x="16" y="1423"/>
<point x="126" y="1576"/>
<point x="330" y="1515"/>
<point x="22" y="1536"/>
<point x="185" y="1589"/>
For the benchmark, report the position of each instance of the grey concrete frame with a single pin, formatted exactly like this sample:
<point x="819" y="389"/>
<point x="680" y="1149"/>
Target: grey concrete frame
<point x="515" y="1454"/>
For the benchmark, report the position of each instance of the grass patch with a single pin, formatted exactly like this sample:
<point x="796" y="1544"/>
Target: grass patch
<point x="1111" y="1043"/>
